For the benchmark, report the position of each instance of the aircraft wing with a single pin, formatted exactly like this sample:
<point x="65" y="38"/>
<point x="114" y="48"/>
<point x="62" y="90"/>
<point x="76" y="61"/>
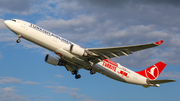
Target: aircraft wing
<point x="107" y="53"/>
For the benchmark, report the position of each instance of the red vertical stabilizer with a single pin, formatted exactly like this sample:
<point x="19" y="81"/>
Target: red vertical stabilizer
<point x="153" y="72"/>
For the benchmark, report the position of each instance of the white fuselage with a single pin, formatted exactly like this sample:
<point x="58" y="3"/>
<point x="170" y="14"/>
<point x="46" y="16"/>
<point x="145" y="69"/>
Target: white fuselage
<point x="59" y="46"/>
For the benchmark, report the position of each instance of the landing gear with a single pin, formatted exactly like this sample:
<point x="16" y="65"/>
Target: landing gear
<point x="75" y="72"/>
<point x="89" y="67"/>
<point x="18" y="40"/>
<point x="91" y="70"/>
<point x="78" y="76"/>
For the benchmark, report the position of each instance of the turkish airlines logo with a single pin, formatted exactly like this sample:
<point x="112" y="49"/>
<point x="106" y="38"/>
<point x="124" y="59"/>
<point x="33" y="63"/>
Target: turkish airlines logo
<point x="152" y="72"/>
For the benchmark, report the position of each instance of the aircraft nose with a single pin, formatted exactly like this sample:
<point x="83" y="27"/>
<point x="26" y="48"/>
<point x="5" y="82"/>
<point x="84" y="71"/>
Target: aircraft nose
<point x="7" y="22"/>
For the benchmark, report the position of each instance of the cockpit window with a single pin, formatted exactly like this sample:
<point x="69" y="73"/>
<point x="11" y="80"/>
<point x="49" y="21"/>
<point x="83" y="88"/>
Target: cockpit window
<point x="13" y="20"/>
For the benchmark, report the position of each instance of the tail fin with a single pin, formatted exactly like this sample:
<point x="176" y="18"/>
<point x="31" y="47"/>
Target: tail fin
<point x="153" y="72"/>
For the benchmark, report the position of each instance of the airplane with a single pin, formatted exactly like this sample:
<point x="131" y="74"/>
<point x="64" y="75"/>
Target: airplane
<point x="74" y="57"/>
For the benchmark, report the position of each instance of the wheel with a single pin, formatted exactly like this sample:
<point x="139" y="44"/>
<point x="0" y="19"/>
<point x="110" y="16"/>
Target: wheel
<point x="74" y="72"/>
<point x="92" y="72"/>
<point x="89" y="67"/>
<point x="18" y="40"/>
<point x="78" y="76"/>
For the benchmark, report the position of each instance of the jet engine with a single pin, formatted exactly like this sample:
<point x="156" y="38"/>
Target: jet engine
<point x="75" y="49"/>
<point x="54" y="60"/>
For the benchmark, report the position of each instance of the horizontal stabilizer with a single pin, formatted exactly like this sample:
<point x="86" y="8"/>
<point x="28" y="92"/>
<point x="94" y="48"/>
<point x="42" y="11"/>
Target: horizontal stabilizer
<point x="160" y="81"/>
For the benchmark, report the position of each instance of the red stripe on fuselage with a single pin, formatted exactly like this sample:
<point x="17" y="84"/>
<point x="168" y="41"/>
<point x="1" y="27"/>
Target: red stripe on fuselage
<point x="111" y="62"/>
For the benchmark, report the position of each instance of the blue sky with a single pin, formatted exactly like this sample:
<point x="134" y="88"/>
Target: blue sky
<point x="25" y="76"/>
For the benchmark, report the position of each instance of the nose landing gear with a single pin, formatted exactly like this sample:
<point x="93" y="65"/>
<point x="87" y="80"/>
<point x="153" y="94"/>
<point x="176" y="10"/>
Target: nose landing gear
<point x="18" y="40"/>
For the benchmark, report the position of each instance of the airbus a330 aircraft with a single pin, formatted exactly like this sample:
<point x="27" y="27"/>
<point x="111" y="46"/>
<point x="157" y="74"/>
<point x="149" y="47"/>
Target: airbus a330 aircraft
<point x="75" y="57"/>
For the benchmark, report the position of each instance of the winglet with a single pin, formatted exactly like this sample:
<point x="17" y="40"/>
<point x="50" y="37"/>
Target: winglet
<point x="159" y="42"/>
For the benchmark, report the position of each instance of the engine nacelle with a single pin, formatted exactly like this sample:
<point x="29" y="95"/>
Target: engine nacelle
<point x="75" y="49"/>
<point x="53" y="60"/>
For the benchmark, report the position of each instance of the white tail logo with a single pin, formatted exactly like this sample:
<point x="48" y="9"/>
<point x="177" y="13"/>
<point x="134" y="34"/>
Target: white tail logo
<point x="152" y="73"/>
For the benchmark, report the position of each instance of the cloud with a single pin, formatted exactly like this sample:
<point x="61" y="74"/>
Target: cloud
<point x="8" y="94"/>
<point x="114" y="2"/>
<point x="62" y="89"/>
<point x="1" y="56"/>
<point x="87" y="100"/>
<point x="28" y="45"/>
<point x="31" y="83"/>
<point x="7" y="80"/>
<point x="173" y="75"/>
<point x="59" y="76"/>
<point x="2" y="25"/>
<point x="10" y="38"/>
<point x="65" y="25"/>
<point x="70" y="91"/>
<point x="60" y="8"/>
<point x="19" y="7"/>
<point x="7" y="37"/>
